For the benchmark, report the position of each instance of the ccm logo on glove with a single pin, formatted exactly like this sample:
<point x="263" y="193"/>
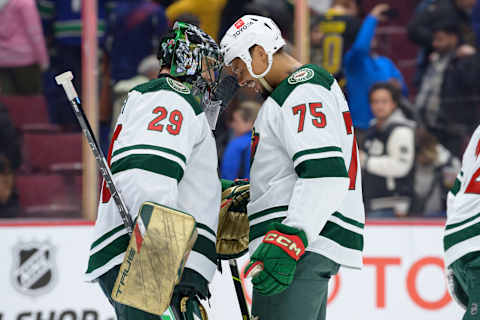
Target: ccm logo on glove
<point x="291" y="244"/>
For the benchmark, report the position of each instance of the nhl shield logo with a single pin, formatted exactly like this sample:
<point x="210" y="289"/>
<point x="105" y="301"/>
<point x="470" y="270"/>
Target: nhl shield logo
<point x="34" y="270"/>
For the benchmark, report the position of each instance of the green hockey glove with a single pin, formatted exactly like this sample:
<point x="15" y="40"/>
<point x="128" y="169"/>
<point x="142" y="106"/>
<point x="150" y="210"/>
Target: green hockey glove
<point x="277" y="256"/>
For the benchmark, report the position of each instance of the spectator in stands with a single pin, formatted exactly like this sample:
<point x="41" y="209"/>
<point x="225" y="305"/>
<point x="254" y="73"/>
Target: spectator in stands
<point x="428" y="14"/>
<point x="62" y="23"/>
<point x="236" y="158"/>
<point x="23" y="53"/>
<point x="447" y="102"/>
<point x="10" y="160"/>
<point x="363" y="68"/>
<point x="208" y="11"/>
<point x="332" y="34"/>
<point x="476" y="22"/>
<point x="387" y="155"/>
<point x="420" y="28"/>
<point x="435" y="172"/>
<point x="130" y="24"/>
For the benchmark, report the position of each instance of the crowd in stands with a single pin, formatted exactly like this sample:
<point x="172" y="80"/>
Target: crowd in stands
<point x="409" y="71"/>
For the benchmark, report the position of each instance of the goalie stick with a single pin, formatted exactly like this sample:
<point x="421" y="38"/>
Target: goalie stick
<point x="65" y="80"/>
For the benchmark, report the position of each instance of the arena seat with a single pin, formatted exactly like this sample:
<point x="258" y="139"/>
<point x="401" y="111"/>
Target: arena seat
<point x="52" y="152"/>
<point x="28" y="112"/>
<point x="49" y="195"/>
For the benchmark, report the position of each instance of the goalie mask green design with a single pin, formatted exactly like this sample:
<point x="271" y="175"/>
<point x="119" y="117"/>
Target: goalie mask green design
<point x="190" y="53"/>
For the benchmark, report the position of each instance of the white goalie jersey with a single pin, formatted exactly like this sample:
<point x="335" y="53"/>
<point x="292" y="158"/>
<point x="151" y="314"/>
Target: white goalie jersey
<point x="162" y="151"/>
<point x="462" y="230"/>
<point x="305" y="168"/>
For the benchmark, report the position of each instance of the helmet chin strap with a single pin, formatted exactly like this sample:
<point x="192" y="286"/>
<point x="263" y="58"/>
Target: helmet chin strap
<point x="260" y="77"/>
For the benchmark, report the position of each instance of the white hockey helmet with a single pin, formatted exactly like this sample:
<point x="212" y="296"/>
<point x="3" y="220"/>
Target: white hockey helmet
<point x="248" y="31"/>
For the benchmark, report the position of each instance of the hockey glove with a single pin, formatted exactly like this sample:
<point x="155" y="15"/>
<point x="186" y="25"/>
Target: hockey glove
<point x="233" y="226"/>
<point x="185" y="302"/>
<point x="278" y="254"/>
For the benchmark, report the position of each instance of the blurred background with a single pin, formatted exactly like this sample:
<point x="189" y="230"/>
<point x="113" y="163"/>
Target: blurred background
<point x="409" y="70"/>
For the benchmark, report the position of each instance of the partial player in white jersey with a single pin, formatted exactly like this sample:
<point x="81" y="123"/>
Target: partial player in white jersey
<point x="163" y="151"/>
<point x="462" y="232"/>
<point x="306" y="210"/>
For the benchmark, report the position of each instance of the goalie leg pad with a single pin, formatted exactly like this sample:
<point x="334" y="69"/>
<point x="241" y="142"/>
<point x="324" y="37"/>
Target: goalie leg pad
<point x="155" y="257"/>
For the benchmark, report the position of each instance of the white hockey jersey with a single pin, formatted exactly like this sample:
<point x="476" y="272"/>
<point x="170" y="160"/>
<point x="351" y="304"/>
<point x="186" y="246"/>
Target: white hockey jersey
<point x="305" y="167"/>
<point x="462" y="230"/>
<point x="162" y="151"/>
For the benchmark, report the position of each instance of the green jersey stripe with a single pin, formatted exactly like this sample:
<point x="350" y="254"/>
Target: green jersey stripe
<point x="206" y="228"/>
<point x="322" y="168"/>
<point x="342" y="236"/>
<point x="267" y="212"/>
<point x="260" y="229"/>
<point x="316" y="150"/>
<point x="206" y="247"/>
<point x="461" y="235"/>
<point x="456" y="187"/>
<point x="454" y="225"/>
<point x="149" y="162"/>
<point x="348" y="220"/>
<point x="100" y="258"/>
<point x="151" y="147"/>
<point x="107" y="235"/>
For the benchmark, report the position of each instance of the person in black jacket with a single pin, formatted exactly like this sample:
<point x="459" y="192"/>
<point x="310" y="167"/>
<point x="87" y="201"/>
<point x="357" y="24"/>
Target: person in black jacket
<point x="431" y="12"/>
<point x="10" y="161"/>
<point x="448" y="99"/>
<point x="387" y="155"/>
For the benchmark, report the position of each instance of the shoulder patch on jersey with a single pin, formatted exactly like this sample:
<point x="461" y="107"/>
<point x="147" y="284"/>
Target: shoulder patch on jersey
<point x="178" y="86"/>
<point x="309" y="73"/>
<point x="167" y="83"/>
<point x="301" y="75"/>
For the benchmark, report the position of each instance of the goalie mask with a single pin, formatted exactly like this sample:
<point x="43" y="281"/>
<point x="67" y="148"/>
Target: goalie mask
<point x="193" y="57"/>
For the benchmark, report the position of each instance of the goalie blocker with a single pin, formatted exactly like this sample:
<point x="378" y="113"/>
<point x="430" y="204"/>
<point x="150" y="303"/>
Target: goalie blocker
<point x="164" y="237"/>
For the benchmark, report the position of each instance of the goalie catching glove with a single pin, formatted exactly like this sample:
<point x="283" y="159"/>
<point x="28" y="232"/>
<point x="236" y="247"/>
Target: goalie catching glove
<point x="233" y="226"/>
<point x="277" y="256"/>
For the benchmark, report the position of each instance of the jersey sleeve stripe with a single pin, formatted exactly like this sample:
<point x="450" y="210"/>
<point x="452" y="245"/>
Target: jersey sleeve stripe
<point x="151" y="147"/>
<point x="260" y="229"/>
<point x="348" y="220"/>
<point x="454" y="225"/>
<point x="461" y="235"/>
<point x="342" y="236"/>
<point x="107" y="235"/>
<point x="322" y="168"/>
<point x="107" y="253"/>
<point x="206" y="228"/>
<point x="206" y="247"/>
<point x="456" y="187"/>
<point x="267" y="212"/>
<point x="148" y="162"/>
<point x="316" y="150"/>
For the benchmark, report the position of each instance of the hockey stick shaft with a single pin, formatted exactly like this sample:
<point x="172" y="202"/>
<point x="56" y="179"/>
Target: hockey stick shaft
<point x="237" y="283"/>
<point x="65" y="80"/>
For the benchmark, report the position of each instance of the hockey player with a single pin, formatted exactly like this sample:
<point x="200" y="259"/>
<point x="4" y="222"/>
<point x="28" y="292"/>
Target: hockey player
<point x="462" y="232"/>
<point x="163" y="151"/>
<point x="306" y="211"/>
